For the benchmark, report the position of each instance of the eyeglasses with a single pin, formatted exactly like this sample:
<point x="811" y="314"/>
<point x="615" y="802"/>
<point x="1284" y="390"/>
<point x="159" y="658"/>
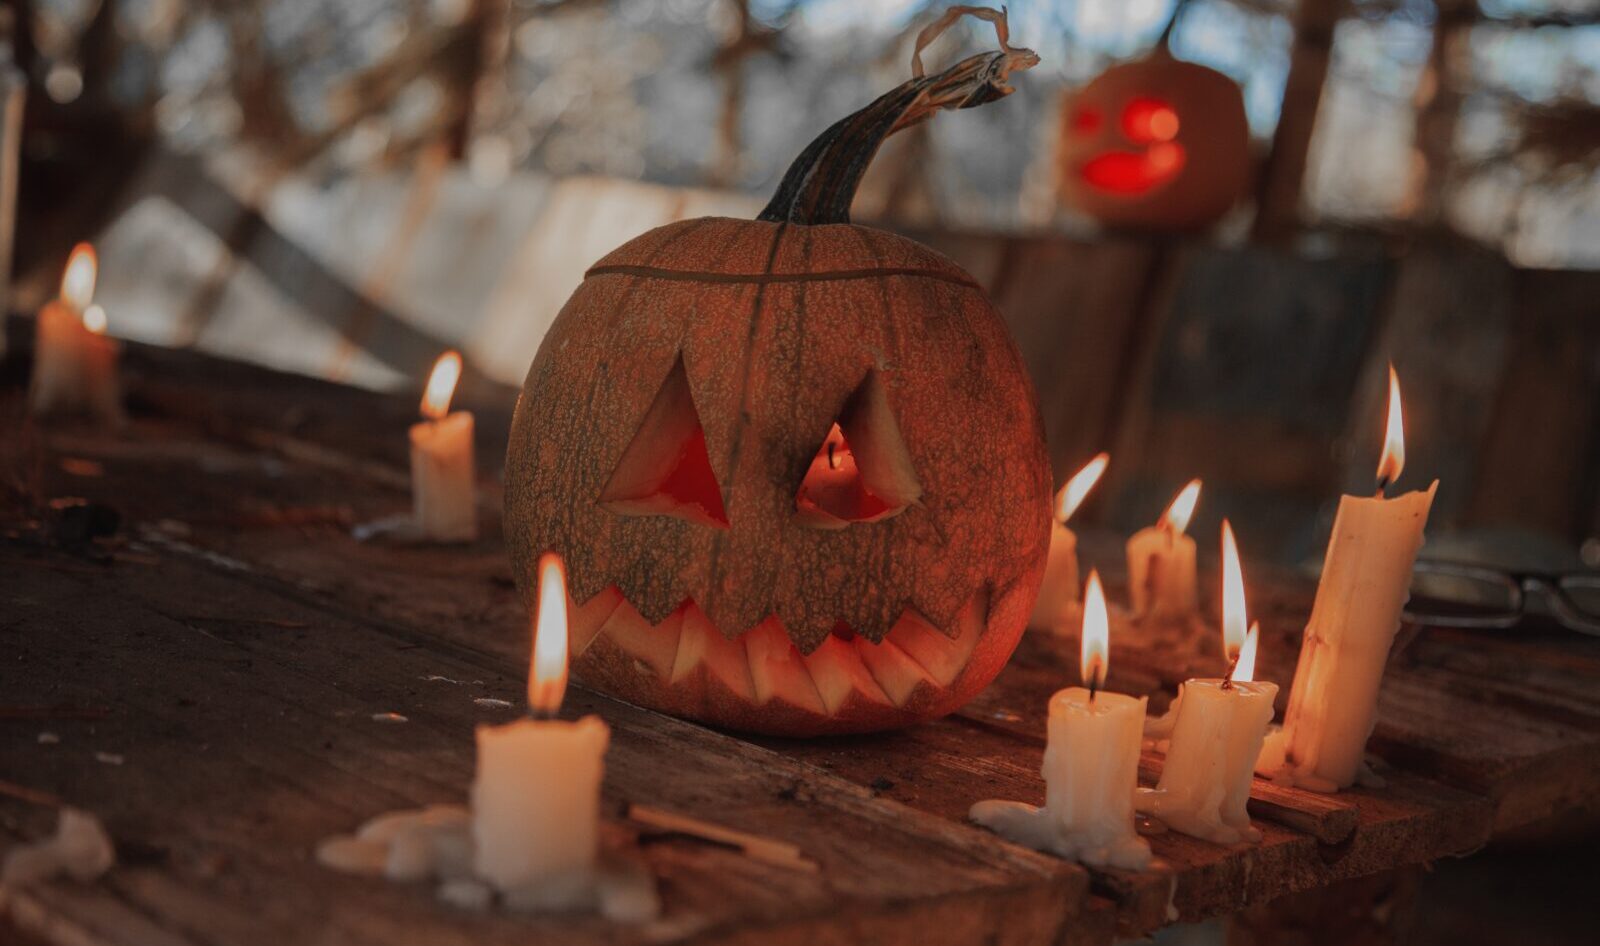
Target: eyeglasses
<point x="1451" y="594"/>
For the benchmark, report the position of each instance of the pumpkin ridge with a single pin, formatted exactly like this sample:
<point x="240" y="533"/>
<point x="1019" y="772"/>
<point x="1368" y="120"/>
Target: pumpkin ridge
<point x="737" y="436"/>
<point x="837" y="275"/>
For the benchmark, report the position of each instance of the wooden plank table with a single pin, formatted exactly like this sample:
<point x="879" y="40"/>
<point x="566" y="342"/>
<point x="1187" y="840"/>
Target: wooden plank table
<point x="218" y="678"/>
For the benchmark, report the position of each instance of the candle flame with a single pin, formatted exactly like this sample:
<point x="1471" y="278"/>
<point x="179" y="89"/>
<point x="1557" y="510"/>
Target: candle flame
<point x="835" y="447"/>
<point x="441" y="385"/>
<point x="1234" y="619"/>
<point x="1177" y="516"/>
<point x="1393" y="459"/>
<point x="94" y="319"/>
<point x="547" y="673"/>
<point x="1244" y="669"/>
<point x="1072" y="494"/>
<point x="77" y="281"/>
<point x="1096" y="634"/>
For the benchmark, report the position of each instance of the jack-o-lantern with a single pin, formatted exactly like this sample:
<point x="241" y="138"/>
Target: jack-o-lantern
<point x="1157" y="144"/>
<point x="796" y="466"/>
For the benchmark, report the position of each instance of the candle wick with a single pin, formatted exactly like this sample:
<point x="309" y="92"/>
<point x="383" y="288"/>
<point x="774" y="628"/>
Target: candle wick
<point x="1383" y="486"/>
<point x="1227" y="680"/>
<point x="831" y="464"/>
<point x="541" y="714"/>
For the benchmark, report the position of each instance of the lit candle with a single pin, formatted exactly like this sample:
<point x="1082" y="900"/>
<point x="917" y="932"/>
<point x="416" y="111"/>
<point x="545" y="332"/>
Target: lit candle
<point x="442" y="488"/>
<point x="1205" y="781"/>
<point x="74" y="363"/>
<point x="536" y="799"/>
<point x="1365" y="580"/>
<point x="1091" y="766"/>
<point x="1161" y="572"/>
<point x="1059" y="593"/>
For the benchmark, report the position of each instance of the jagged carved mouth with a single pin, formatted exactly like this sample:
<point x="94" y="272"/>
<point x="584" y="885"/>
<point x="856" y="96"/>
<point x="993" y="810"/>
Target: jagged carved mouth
<point x="763" y="665"/>
<point x="1131" y="174"/>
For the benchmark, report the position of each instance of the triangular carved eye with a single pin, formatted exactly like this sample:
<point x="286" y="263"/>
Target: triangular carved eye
<point x="862" y="472"/>
<point x="665" y="471"/>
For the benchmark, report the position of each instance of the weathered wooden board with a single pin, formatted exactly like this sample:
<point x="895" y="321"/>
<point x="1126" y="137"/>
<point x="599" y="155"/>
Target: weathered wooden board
<point x="235" y="651"/>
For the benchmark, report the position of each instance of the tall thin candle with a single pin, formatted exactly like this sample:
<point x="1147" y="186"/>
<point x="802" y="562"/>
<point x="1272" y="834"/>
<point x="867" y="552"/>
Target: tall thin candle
<point x="1366" y="578"/>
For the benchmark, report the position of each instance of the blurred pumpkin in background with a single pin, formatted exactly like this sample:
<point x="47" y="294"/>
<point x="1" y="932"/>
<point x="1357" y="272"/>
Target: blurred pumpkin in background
<point x="796" y="466"/>
<point x="1157" y="144"/>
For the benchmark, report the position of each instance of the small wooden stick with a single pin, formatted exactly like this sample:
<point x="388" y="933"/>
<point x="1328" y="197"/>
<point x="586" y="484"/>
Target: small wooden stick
<point x="766" y="850"/>
<point x="33" y="795"/>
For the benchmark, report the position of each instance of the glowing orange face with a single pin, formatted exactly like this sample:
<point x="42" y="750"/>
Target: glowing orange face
<point x="1158" y="144"/>
<point x="1146" y="121"/>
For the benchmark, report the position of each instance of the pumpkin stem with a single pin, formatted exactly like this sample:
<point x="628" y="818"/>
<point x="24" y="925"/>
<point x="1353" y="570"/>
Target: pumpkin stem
<point x="821" y="184"/>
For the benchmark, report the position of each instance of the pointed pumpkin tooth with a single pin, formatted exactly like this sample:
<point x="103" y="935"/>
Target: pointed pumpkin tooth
<point x="777" y="671"/>
<point x="838" y="672"/>
<point x="893" y="669"/>
<point x="589" y="617"/>
<point x="943" y="658"/>
<point x="701" y="645"/>
<point x="654" y="645"/>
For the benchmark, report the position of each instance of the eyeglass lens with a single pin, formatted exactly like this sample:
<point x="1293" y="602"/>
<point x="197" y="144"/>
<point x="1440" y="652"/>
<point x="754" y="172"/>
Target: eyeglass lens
<point x="1583" y="593"/>
<point x="1442" y="591"/>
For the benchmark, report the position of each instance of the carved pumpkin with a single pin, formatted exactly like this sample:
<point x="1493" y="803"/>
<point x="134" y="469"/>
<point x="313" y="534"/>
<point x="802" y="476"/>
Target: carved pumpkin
<point x="1157" y="144"/>
<point x="795" y="465"/>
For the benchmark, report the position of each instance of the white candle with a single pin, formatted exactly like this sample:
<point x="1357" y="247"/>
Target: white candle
<point x="1366" y="578"/>
<point x="1205" y="781"/>
<point x="1091" y="766"/>
<point x="1161" y="563"/>
<point x="74" y="363"/>
<point x="536" y="799"/>
<point x="443" y="493"/>
<point x="1058" y="594"/>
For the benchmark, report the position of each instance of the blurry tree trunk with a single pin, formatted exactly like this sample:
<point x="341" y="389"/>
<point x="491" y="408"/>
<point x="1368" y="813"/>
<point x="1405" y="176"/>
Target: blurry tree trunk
<point x="1283" y="178"/>
<point x="728" y="62"/>
<point x="1438" y="112"/>
<point x="477" y="82"/>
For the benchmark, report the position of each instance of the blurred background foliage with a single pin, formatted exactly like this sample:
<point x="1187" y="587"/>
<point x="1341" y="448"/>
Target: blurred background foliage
<point x="1473" y="116"/>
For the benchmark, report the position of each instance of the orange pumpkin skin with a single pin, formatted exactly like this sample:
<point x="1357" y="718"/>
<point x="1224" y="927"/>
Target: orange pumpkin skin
<point x="738" y="609"/>
<point x="1182" y="174"/>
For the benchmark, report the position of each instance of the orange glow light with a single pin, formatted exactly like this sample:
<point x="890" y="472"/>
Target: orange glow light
<point x="441" y="385"/>
<point x="77" y="282"/>
<point x="547" y="673"/>
<point x="1176" y="518"/>
<point x="1072" y="494"/>
<point x="1393" y="459"/>
<point x="1244" y="669"/>
<point x="1148" y="120"/>
<point x="94" y="319"/>
<point x="1234" y="620"/>
<point x="1096" y="634"/>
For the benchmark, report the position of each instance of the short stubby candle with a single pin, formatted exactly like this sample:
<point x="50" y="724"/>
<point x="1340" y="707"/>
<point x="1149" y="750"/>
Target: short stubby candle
<point x="536" y="798"/>
<point x="1058" y="594"/>
<point x="1205" y="781"/>
<point x="1366" y="579"/>
<point x="1091" y="766"/>
<point x="74" y="361"/>
<point x="1161" y="563"/>
<point x="443" y="491"/>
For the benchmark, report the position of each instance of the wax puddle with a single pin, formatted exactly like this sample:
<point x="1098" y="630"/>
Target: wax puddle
<point x="434" y="844"/>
